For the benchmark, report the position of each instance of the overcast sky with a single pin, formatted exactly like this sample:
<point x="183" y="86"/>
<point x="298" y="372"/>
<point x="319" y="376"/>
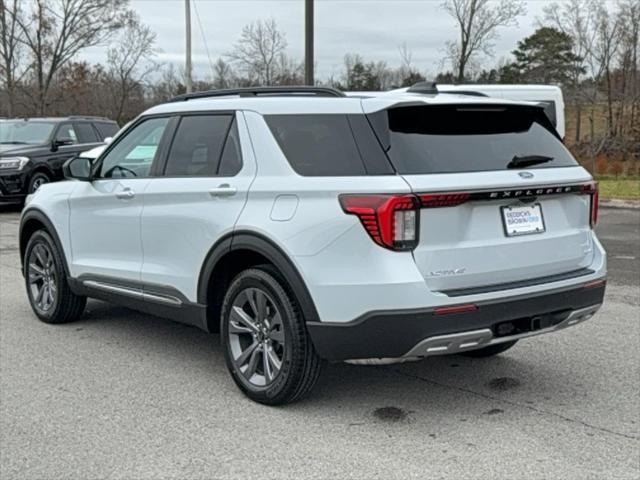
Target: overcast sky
<point x="372" y="28"/>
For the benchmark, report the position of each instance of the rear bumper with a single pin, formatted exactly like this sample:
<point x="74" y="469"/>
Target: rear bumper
<point x="422" y="332"/>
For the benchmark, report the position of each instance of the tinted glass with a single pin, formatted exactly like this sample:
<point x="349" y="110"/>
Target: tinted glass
<point x="133" y="155"/>
<point x="550" y="111"/>
<point x="20" y="131"/>
<point x="448" y="139"/>
<point x="86" y="133"/>
<point x="67" y="132"/>
<point x="197" y="145"/>
<point x="231" y="161"/>
<point x="106" y="129"/>
<point x="317" y="145"/>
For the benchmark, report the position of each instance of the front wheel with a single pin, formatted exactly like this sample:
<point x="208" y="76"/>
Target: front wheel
<point x="266" y="345"/>
<point x="38" y="179"/>
<point x="49" y="293"/>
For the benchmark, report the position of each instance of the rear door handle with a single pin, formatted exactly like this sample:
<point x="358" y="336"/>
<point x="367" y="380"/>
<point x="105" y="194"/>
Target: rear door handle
<point x="223" y="190"/>
<point x="125" y="194"/>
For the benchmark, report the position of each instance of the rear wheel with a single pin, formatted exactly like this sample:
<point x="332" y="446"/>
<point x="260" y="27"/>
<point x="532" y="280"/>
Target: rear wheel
<point x="49" y="294"/>
<point x="266" y="345"/>
<point x="491" y="350"/>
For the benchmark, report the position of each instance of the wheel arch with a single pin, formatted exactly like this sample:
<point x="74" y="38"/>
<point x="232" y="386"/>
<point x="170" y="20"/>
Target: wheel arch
<point x="33" y="220"/>
<point x="234" y="253"/>
<point x="42" y="167"/>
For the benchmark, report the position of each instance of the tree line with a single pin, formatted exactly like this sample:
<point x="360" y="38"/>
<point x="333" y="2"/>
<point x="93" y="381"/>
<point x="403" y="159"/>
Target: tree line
<point x="588" y="47"/>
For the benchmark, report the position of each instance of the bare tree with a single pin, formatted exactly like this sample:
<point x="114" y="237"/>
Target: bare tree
<point x="223" y="76"/>
<point x="629" y="20"/>
<point x="478" y="22"/>
<point x="56" y="30"/>
<point x="605" y="49"/>
<point x="130" y="62"/>
<point x="10" y="48"/>
<point x="258" y="49"/>
<point x="577" y="18"/>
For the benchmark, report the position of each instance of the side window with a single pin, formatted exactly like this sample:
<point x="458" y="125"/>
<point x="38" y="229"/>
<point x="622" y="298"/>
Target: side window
<point x="197" y="146"/>
<point x="231" y="161"/>
<point x="106" y="129"/>
<point x="86" y="133"/>
<point x="317" y="145"/>
<point x="67" y="133"/>
<point x="133" y="155"/>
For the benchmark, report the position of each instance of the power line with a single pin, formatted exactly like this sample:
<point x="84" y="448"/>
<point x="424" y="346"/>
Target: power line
<point x="204" y="39"/>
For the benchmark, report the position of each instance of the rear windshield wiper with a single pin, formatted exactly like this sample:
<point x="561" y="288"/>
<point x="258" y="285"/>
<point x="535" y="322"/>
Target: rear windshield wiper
<point x="13" y="143"/>
<point x="527" y="161"/>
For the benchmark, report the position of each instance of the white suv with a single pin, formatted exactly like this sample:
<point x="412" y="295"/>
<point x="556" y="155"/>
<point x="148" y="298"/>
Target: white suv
<point x="307" y="226"/>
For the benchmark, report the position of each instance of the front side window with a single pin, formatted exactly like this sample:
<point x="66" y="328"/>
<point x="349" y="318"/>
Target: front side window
<point x="197" y="146"/>
<point x="67" y="134"/>
<point x="133" y="156"/>
<point x="17" y="132"/>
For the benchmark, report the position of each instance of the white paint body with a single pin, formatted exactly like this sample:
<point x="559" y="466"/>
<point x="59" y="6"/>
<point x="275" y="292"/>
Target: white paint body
<point x="164" y="233"/>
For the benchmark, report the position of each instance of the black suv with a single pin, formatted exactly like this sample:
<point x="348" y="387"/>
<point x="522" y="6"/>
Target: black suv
<point x="32" y="151"/>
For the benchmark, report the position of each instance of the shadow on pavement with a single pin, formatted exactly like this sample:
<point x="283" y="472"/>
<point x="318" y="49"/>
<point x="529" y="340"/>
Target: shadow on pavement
<point x="437" y="384"/>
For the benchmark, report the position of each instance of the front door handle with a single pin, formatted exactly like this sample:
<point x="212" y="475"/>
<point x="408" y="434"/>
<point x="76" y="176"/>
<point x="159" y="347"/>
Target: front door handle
<point x="223" y="190"/>
<point x="125" y="194"/>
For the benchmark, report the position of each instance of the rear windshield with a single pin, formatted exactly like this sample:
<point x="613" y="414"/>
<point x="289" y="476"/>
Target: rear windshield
<point x="451" y="139"/>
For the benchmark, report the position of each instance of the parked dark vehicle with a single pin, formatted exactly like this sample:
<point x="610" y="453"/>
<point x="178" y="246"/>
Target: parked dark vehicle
<point x="32" y="151"/>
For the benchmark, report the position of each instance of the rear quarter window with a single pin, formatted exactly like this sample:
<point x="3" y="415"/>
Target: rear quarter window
<point x="317" y="144"/>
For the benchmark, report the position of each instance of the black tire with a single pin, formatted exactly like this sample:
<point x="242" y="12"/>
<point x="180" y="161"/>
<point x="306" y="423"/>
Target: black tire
<point x="300" y="365"/>
<point x="38" y="179"/>
<point x="491" y="350"/>
<point x="40" y="267"/>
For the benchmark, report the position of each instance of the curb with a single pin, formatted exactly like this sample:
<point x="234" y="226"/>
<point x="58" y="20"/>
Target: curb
<point x="618" y="203"/>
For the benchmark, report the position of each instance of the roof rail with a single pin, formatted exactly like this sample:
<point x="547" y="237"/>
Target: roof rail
<point x="423" y="87"/>
<point x="86" y="117"/>
<point x="260" y="91"/>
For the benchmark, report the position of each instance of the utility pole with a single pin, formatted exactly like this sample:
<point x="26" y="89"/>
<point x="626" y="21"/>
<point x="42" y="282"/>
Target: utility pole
<point x="187" y="17"/>
<point x="308" y="42"/>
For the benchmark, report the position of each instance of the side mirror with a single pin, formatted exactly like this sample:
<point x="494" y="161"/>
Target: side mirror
<point x="60" y="142"/>
<point x="78" y="168"/>
<point x="108" y="140"/>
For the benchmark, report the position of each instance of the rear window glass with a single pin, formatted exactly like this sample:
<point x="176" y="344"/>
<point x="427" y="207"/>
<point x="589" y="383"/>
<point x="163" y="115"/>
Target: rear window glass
<point x="317" y="145"/>
<point x="550" y="111"/>
<point x="450" y="139"/>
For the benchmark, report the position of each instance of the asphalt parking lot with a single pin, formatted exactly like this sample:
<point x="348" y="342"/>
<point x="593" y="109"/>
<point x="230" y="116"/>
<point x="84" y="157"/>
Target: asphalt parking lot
<point x="125" y="395"/>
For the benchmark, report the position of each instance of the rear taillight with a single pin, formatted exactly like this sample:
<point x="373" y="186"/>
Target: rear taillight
<point x="390" y="220"/>
<point x="436" y="200"/>
<point x="591" y="189"/>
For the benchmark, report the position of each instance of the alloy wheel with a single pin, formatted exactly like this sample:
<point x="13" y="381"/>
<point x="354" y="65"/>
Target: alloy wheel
<point x="37" y="183"/>
<point x="42" y="277"/>
<point x="256" y="337"/>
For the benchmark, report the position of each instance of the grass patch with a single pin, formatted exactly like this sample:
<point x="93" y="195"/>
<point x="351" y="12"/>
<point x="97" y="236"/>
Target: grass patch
<point x="625" y="188"/>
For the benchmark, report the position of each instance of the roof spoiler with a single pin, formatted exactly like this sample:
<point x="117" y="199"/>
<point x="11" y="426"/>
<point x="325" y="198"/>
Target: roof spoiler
<point x="424" y="87"/>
